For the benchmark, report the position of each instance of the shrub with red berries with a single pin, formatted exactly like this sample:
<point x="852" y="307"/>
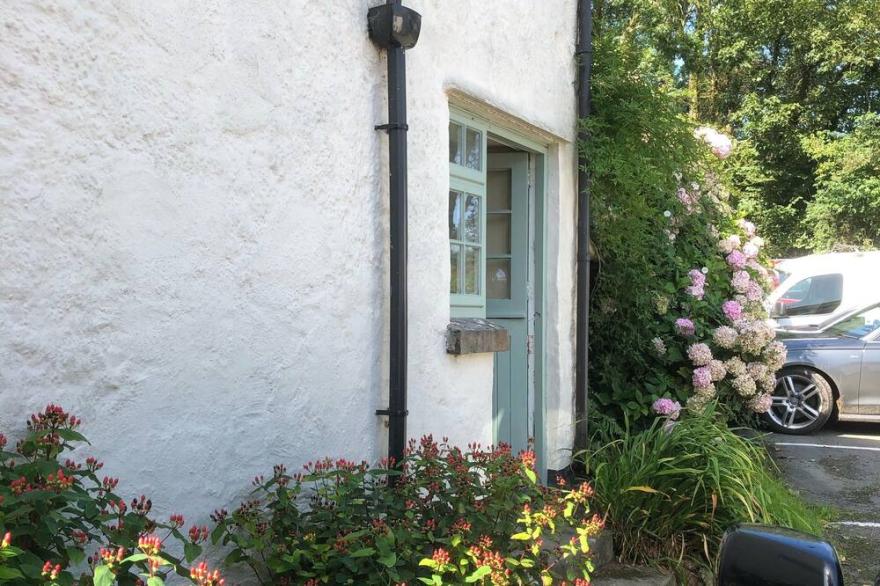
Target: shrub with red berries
<point x="442" y="516"/>
<point x="56" y="514"/>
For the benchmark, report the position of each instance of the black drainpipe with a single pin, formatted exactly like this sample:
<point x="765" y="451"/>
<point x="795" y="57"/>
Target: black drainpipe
<point x="395" y="28"/>
<point x="584" y="55"/>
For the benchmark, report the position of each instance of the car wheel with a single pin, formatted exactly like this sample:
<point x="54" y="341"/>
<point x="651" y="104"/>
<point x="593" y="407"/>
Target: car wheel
<point x="802" y="401"/>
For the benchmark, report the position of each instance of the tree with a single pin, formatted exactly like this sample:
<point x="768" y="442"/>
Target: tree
<point x="846" y="208"/>
<point x="774" y="72"/>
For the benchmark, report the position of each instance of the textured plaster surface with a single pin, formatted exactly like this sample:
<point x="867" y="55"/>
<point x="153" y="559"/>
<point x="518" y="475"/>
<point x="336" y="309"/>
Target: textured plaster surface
<point x="193" y="228"/>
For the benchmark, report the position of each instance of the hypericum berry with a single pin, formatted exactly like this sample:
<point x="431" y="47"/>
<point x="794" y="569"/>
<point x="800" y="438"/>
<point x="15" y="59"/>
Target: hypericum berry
<point x="111" y="557"/>
<point x="7" y="539"/>
<point x="202" y="576"/>
<point x="80" y="537"/>
<point x="109" y="483"/>
<point x="2" y="441"/>
<point x="93" y="464"/>
<point x="51" y="572"/>
<point x="177" y="520"/>
<point x="197" y="534"/>
<point x="150" y="545"/>
<point x="441" y="556"/>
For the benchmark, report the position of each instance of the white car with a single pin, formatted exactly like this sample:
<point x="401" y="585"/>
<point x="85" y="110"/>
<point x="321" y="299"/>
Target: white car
<point x="814" y="289"/>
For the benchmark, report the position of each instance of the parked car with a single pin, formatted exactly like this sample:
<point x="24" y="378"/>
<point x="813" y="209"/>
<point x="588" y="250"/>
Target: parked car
<point x="835" y="369"/>
<point x="813" y="289"/>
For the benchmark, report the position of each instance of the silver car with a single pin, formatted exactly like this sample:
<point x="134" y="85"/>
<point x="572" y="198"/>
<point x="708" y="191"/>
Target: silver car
<point x="834" y="370"/>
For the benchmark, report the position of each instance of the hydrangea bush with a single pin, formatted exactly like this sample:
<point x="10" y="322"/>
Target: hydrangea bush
<point x="692" y="326"/>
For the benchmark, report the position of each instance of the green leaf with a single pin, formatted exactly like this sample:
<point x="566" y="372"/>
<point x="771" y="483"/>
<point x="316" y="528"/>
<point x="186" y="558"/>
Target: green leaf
<point x="103" y="576"/>
<point x="389" y="561"/>
<point x="75" y="555"/>
<point x="478" y="574"/>
<point x="191" y="551"/>
<point x="530" y="474"/>
<point x="362" y="553"/>
<point x="7" y="573"/>
<point x="647" y="489"/>
<point x="72" y="436"/>
<point x="155" y="581"/>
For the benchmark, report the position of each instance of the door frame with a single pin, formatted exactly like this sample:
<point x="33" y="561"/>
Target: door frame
<point x="537" y="206"/>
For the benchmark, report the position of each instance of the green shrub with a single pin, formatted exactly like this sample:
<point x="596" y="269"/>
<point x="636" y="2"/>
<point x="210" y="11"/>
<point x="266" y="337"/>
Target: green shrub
<point x="670" y="491"/>
<point x="60" y="523"/>
<point x="451" y="517"/>
<point x="689" y="325"/>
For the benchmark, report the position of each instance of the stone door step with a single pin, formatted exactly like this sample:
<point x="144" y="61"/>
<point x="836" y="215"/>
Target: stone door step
<point x="620" y="575"/>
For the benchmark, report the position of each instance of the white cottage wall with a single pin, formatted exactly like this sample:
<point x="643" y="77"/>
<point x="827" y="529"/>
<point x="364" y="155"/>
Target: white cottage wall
<point x="193" y="228"/>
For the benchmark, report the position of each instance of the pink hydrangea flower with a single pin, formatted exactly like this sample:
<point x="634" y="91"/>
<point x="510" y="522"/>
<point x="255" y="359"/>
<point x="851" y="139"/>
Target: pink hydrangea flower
<point x="747" y="227"/>
<point x="732" y="310"/>
<point x="737" y="260"/>
<point x="698" y="279"/>
<point x="719" y="143"/>
<point x="761" y="403"/>
<point x="684" y="326"/>
<point x="700" y="354"/>
<point x="730" y="244"/>
<point x="667" y="408"/>
<point x="754" y="292"/>
<point x="750" y="250"/>
<point x="702" y="377"/>
<point x="725" y="337"/>
<point x="698" y="282"/>
<point x="740" y="281"/>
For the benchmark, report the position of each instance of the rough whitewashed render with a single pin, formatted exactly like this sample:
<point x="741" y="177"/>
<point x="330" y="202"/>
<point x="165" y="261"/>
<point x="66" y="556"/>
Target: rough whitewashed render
<point x="193" y="228"/>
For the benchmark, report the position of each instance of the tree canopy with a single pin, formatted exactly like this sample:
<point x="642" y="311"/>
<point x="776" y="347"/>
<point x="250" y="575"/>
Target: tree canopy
<point x="790" y="79"/>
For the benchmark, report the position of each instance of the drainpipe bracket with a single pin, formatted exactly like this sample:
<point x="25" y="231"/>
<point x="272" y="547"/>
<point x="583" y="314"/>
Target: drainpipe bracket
<point x="387" y="127"/>
<point x="392" y="413"/>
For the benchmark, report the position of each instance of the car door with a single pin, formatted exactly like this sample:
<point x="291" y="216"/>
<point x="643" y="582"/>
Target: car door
<point x="869" y="389"/>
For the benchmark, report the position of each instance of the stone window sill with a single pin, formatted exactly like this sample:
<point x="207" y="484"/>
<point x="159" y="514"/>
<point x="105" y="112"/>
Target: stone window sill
<point x="475" y="335"/>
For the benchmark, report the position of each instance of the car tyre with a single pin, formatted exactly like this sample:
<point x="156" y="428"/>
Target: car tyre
<point x="803" y="401"/>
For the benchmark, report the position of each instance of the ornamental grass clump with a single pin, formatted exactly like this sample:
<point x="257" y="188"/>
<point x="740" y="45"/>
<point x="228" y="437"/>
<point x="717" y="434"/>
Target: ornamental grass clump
<point x="442" y="516"/>
<point x="671" y="490"/>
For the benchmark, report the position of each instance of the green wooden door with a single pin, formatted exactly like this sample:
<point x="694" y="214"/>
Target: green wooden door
<point x="508" y="269"/>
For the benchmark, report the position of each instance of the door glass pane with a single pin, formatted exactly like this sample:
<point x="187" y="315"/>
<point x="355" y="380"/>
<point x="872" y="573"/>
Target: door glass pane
<point x="474" y="149"/>
<point x="472" y="262"/>
<point x="498" y="189"/>
<point x="455" y="265"/>
<point x="454" y="215"/>
<point x="498" y="278"/>
<point x="498" y="234"/>
<point x="455" y="146"/>
<point x="472" y="219"/>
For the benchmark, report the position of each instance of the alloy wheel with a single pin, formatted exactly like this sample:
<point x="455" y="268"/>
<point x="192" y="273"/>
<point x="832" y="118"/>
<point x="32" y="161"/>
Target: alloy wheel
<point x="797" y="402"/>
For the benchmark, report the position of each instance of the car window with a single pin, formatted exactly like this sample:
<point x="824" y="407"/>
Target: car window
<point x="860" y="324"/>
<point x="814" y="295"/>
